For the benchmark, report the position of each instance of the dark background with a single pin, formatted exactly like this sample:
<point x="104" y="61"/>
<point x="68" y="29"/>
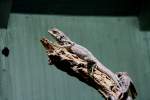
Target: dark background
<point x="139" y="8"/>
<point x="79" y="7"/>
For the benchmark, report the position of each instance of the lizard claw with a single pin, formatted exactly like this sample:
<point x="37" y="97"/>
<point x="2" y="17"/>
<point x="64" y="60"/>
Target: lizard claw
<point x="126" y="84"/>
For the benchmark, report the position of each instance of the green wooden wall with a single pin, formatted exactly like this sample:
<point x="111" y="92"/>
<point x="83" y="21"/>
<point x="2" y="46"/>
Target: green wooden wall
<point x="26" y="75"/>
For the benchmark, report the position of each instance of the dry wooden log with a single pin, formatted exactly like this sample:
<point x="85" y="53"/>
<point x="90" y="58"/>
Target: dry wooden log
<point x="70" y="57"/>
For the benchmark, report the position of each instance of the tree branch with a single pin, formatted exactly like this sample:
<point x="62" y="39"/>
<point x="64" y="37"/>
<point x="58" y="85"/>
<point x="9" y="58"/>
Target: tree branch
<point x="111" y="86"/>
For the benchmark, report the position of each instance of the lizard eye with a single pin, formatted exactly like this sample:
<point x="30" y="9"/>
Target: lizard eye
<point x="55" y="32"/>
<point x="69" y="43"/>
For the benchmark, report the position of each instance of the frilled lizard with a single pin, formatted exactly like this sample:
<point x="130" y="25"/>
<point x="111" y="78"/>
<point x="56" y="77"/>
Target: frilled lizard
<point x="120" y="81"/>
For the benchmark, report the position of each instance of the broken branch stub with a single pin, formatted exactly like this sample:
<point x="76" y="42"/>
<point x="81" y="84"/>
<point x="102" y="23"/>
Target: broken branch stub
<point x="72" y="58"/>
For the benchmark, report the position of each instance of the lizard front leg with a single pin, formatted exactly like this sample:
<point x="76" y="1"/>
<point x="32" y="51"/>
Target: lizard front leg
<point x="90" y="66"/>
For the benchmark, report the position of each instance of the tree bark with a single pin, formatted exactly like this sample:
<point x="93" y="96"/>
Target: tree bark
<point x="73" y="65"/>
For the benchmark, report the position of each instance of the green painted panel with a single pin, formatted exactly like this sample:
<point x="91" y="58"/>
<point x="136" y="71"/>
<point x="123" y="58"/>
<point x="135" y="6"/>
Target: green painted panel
<point x="116" y="41"/>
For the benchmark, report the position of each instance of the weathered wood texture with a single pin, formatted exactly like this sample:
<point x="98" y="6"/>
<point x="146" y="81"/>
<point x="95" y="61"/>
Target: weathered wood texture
<point x="78" y="61"/>
<point x="25" y="74"/>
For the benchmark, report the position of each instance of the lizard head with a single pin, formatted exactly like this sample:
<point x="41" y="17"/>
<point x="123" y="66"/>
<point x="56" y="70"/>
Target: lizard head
<point x="59" y="36"/>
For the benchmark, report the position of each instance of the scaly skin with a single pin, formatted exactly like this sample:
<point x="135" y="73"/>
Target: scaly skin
<point x="82" y="52"/>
